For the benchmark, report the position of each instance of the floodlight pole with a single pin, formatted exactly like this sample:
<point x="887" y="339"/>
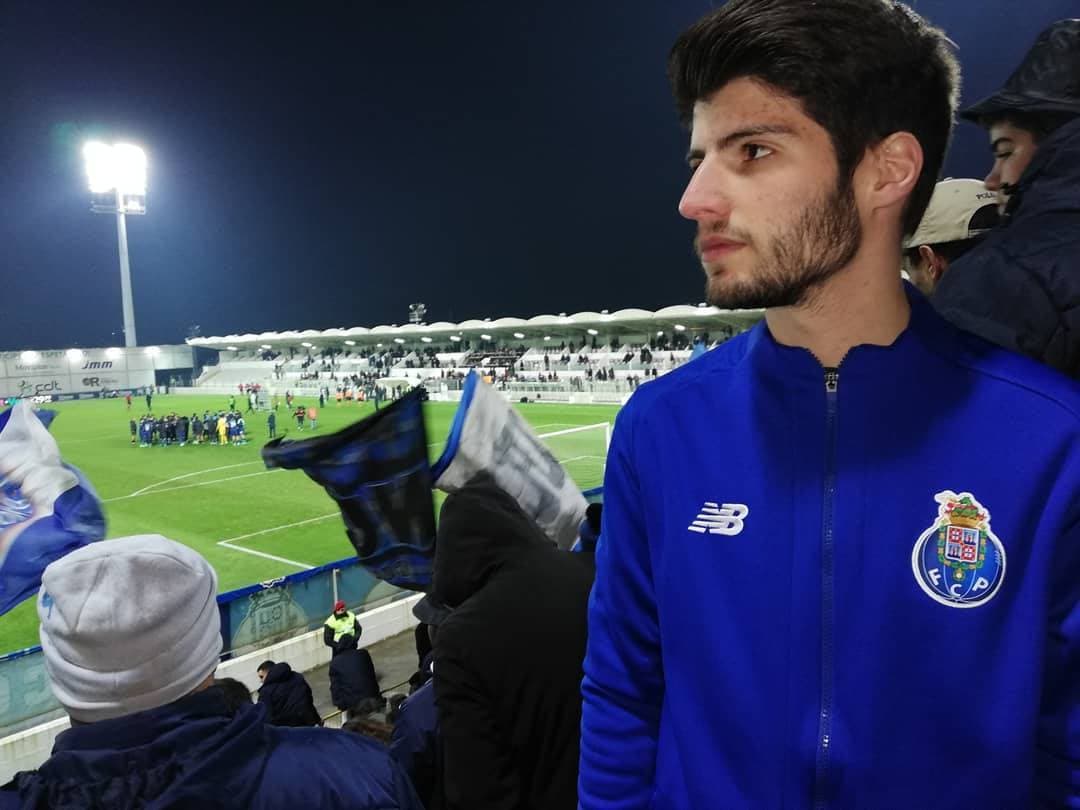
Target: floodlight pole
<point x="125" y="274"/>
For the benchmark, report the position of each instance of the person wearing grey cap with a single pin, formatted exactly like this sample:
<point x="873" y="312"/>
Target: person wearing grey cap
<point x="961" y="213"/>
<point x="1021" y="287"/>
<point x="131" y="636"/>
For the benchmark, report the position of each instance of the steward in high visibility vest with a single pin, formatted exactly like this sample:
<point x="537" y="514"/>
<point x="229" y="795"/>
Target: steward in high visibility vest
<point x="342" y="622"/>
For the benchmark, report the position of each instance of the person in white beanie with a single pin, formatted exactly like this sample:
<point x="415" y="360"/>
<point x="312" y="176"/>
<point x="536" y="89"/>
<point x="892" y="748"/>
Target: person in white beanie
<point x="131" y="635"/>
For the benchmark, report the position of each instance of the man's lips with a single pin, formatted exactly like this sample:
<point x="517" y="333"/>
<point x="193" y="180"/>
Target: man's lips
<point x="717" y="248"/>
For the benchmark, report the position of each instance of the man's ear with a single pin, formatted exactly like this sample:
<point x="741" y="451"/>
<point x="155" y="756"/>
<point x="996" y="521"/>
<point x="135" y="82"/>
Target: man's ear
<point x="894" y="168"/>
<point x="935" y="263"/>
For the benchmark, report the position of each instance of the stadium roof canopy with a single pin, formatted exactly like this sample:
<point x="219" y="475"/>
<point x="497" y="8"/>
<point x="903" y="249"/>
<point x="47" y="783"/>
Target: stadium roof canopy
<point x="561" y="327"/>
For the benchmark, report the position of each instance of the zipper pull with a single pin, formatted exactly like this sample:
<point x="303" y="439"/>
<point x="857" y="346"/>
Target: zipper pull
<point x="832" y="380"/>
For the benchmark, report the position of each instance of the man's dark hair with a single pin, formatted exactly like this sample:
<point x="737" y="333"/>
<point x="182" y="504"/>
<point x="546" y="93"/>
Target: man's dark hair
<point x="234" y="692"/>
<point x="1041" y="125"/>
<point x="862" y="69"/>
<point x="265" y="666"/>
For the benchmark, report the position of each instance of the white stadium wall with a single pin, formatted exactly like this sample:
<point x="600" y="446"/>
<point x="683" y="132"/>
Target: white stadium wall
<point x="63" y="374"/>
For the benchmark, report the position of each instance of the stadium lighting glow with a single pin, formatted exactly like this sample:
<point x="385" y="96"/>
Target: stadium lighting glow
<point x="660" y="333"/>
<point x="74" y="355"/>
<point x="378" y="345"/>
<point x="116" y="176"/>
<point x="153" y="351"/>
<point x="306" y="344"/>
<point x="519" y="335"/>
<point x="455" y="338"/>
<point x="347" y="343"/>
<point x="425" y="340"/>
<point x="231" y="348"/>
<point x="268" y="346"/>
<point x="485" y="337"/>
<point x="29" y="357"/>
<point x="399" y="341"/>
<point x="547" y="337"/>
<point x="680" y="328"/>
<point x="113" y="353"/>
<point x="592" y="332"/>
<point x="118" y="167"/>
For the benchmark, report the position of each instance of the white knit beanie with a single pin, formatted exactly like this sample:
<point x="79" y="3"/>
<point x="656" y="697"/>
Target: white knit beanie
<point x="128" y="625"/>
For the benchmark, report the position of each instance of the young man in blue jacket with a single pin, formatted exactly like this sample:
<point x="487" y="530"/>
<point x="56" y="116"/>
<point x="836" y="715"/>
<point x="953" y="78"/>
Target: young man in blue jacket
<point x="840" y="557"/>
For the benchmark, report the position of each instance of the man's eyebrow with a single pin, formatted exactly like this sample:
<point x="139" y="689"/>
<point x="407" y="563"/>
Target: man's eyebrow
<point x="740" y="134"/>
<point x="994" y="146"/>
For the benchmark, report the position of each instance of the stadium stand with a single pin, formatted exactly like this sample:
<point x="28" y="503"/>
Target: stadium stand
<point x="551" y="357"/>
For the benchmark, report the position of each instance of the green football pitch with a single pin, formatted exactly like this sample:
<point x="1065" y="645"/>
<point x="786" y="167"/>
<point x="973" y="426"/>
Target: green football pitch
<point x="274" y="522"/>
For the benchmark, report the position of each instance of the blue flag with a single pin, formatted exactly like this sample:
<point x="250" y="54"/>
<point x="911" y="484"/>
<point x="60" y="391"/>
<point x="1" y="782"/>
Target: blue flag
<point x="377" y="471"/>
<point x="47" y="507"/>
<point x="489" y="437"/>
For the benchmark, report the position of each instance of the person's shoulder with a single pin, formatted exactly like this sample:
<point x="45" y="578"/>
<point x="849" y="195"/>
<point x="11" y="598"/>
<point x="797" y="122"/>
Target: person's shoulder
<point x="1021" y="379"/>
<point x="724" y="359"/>
<point x="309" y="760"/>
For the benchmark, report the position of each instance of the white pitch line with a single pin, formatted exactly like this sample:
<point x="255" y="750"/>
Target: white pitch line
<point x="280" y="528"/>
<point x="192" y="475"/>
<point x="189" y="486"/>
<point x="581" y="458"/>
<point x="228" y="545"/>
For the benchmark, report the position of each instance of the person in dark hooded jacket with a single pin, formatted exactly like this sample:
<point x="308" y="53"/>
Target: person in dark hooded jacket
<point x="352" y="675"/>
<point x="508" y="658"/>
<point x="151" y="728"/>
<point x="1020" y="288"/>
<point x="287" y="696"/>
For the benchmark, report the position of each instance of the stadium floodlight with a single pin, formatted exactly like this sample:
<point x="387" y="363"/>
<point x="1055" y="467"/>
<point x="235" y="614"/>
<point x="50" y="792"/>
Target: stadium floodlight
<point x="268" y="346"/>
<point x="153" y="351"/>
<point x="29" y="357"/>
<point x="378" y="345"/>
<point x="113" y="353"/>
<point x="399" y="341"/>
<point x="660" y="333"/>
<point x="547" y="337"/>
<point x="455" y="338"/>
<point x="680" y="328"/>
<point x="425" y="339"/>
<point x="347" y="343"/>
<point x="116" y="177"/>
<point x="519" y="335"/>
<point x="75" y="355"/>
<point x="592" y="332"/>
<point x="233" y="348"/>
<point x="306" y="344"/>
<point x="485" y="337"/>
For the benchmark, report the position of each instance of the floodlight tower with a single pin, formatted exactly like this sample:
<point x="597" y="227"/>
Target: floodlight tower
<point x="117" y="179"/>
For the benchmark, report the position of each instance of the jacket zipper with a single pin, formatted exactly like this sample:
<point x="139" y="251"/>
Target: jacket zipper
<point x="824" y="740"/>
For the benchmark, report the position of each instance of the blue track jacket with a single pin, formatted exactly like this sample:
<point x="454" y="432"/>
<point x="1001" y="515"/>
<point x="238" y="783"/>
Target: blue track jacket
<point x="852" y="590"/>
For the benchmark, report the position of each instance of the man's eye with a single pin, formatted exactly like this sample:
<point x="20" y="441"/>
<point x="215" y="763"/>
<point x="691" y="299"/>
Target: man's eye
<point x="755" y="151"/>
<point x="1003" y="156"/>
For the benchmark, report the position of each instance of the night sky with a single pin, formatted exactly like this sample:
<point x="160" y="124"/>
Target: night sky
<point x="324" y="168"/>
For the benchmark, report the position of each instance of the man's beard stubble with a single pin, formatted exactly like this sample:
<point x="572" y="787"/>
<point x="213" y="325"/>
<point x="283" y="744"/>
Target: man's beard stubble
<point x="822" y="241"/>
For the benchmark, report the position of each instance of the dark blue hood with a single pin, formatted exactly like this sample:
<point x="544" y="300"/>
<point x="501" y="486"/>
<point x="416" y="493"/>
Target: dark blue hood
<point x="1051" y="183"/>
<point x="190" y="753"/>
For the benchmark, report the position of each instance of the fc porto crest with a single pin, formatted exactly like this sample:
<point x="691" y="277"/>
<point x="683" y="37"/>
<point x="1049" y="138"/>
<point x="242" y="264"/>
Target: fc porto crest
<point x="959" y="561"/>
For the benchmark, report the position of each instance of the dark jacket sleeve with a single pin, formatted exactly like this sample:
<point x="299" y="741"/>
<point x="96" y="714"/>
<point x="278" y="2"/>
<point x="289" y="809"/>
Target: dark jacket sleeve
<point x="1028" y="304"/>
<point x="358" y="628"/>
<point x="469" y="734"/>
<point x="328" y="635"/>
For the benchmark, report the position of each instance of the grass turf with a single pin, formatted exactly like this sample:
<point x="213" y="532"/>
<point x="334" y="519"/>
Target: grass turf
<point x="200" y="495"/>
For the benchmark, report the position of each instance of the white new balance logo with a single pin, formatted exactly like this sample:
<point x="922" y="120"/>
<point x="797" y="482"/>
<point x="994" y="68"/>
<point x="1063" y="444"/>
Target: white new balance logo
<point x="728" y="519"/>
